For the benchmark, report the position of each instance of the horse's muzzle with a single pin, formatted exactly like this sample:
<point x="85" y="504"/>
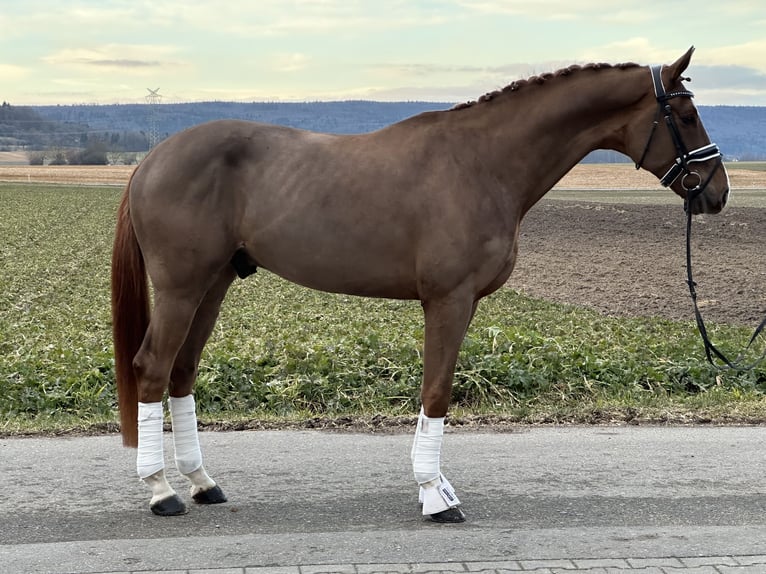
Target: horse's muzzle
<point x="709" y="201"/>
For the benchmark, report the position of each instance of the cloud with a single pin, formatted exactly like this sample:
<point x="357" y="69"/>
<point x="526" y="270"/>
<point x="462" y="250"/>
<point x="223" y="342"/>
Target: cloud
<point x="749" y="54"/>
<point x="416" y="69"/>
<point x="11" y="73"/>
<point x="630" y="17"/>
<point x="262" y="18"/>
<point x="725" y="85"/>
<point x="293" y="62"/>
<point x="638" y="49"/>
<point x="448" y="94"/>
<point x="113" y="57"/>
<point x="122" y="63"/>
<point x="273" y="18"/>
<point x="474" y="80"/>
<point x="717" y="81"/>
<point x="540" y="9"/>
<point x="732" y="77"/>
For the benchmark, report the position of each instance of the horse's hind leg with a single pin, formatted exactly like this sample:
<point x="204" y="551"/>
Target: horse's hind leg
<point x="188" y="455"/>
<point x="446" y="322"/>
<point x="173" y="313"/>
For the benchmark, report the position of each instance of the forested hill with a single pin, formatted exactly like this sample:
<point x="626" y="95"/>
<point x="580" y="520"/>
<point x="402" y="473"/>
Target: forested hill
<point x="740" y="131"/>
<point x="331" y="117"/>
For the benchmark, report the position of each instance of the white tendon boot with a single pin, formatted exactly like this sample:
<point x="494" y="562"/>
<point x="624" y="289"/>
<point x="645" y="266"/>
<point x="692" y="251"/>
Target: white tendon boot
<point x="188" y="455"/>
<point x="436" y="493"/>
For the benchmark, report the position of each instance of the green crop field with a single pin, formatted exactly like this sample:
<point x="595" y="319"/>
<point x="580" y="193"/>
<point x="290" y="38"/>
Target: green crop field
<point x="282" y="352"/>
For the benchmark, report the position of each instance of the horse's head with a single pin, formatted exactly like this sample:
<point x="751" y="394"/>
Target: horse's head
<point x="668" y="139"/>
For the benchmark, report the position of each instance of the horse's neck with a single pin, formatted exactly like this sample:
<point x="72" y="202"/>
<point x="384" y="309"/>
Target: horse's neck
<point x="543" y="131"/>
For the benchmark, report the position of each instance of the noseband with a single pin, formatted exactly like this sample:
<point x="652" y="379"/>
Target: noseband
<point x="682" y="165"/>
<point x="690" y="180"/>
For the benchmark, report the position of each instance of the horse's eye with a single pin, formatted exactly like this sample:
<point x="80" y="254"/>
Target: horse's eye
<point x="689" y="120"/>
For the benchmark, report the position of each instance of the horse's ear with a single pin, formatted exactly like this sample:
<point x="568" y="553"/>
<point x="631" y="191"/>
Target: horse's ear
<point x="677" y="68"/>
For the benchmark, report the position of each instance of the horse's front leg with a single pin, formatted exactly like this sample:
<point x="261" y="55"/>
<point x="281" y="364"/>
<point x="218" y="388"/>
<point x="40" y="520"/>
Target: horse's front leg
<point x="446" y="323"/>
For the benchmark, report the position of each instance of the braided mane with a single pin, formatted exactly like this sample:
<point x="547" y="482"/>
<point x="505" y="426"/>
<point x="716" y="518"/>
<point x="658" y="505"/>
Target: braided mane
<point x="541" y="79"/>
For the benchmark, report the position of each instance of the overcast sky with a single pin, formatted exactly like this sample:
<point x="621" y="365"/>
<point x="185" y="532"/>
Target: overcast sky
<point x="106" y="51"/>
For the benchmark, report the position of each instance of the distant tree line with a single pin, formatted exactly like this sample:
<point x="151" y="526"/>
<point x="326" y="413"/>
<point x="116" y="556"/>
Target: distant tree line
<point x="96" y="153"/>
<point x="49" y="141"/>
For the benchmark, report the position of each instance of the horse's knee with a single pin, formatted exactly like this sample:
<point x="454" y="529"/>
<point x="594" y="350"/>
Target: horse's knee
<point x="435" y="400"/>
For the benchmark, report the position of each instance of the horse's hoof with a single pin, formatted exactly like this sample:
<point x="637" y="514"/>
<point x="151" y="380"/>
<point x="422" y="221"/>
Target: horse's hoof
<point x="171" y="506"/>
<point x="449" y="516"/>
<point x="210" y="496"/>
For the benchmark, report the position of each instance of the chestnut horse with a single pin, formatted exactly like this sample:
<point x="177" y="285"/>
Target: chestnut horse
<point x="427" y="208"/>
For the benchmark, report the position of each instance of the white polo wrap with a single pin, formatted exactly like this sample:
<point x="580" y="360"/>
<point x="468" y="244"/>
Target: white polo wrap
<point x="436" y="493"/>
<point x="150" y="458"/>
<point x="183" y="417"/>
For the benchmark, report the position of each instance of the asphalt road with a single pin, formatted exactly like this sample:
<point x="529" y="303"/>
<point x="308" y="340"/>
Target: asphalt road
<point x="299" y="498"/>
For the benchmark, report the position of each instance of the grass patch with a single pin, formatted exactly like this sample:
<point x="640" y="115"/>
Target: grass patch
<point x="281" y="352"/>
<point x="751" y="165"/>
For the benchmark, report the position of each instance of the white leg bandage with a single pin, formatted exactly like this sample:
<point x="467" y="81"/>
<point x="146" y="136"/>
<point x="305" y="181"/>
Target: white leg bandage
<point x="150" y="458"/>
<point x="427" y="448"/>
<point x="436" y="493"/>
<point x="184" y="420"/>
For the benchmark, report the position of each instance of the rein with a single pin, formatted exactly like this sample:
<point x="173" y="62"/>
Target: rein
<point x="682" y="164"/>
<point x="710" y="349"/>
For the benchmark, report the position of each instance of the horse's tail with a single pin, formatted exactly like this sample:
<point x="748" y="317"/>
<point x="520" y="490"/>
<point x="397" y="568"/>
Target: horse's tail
<point x="130" y="316"/>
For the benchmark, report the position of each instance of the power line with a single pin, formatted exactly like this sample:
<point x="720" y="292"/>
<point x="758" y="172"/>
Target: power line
<point x="153" y="99"/>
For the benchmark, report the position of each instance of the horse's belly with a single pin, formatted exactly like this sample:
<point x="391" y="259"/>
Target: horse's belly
<point x="349" y="277"/>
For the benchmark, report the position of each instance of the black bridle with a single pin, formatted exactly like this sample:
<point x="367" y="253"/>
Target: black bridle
<point x="682" y="165"/>
<point x="684" y="158"/>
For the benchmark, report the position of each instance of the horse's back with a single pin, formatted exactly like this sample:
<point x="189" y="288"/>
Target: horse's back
<point x="227" y="145"/>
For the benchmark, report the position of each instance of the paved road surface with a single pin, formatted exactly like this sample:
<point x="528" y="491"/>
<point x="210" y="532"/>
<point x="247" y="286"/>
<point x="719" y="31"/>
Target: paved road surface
<point x="601" y="500"/>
